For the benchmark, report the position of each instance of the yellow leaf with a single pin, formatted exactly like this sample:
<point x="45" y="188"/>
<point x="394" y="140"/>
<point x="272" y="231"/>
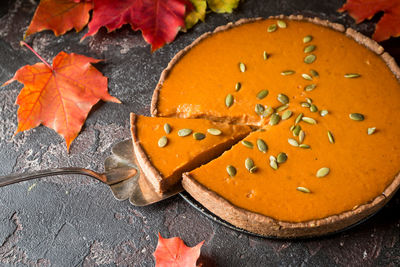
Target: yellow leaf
<point x="198" y="13"/>
<point x="223" y="6"/>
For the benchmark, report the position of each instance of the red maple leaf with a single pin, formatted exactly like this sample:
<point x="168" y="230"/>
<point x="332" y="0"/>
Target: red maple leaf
<point x="60" y="16"/>
<point x="59" y="96"/>
<point x="159" y="20"/>
<point x="388" y="25"/>
<point x="172" y="252"/>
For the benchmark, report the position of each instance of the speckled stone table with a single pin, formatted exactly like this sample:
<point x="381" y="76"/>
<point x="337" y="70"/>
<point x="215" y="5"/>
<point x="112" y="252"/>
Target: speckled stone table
<point x="75" y="221"/>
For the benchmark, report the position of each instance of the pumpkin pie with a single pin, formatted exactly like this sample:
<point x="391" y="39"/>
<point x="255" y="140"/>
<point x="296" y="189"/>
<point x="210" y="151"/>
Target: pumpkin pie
<point x="167" y="147"/>
<point x="326" y="101"/>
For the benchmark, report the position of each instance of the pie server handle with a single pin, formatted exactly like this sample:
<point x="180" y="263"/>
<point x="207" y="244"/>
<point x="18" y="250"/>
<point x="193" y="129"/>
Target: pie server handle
<point x="110" y="177"/>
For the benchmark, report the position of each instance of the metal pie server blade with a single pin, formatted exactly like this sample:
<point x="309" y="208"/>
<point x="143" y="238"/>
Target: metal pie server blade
<point x="137" y="189"/>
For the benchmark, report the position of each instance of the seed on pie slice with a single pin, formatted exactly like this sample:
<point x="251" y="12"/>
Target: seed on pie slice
<point x="163" y="141"/>
<point x="281" y="24"/>
<point x="371" y="130"/>
<point x="307" y="39"/>
<point x="214" y="131"/>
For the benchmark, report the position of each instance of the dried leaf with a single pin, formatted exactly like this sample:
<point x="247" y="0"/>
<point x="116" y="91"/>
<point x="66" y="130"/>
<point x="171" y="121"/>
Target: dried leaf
<point x="173" y="252"/>
<point x="60" y="96"/>
<point x="159" y="20"/>
<point x="388" y="25"/>
<point x="223" y="6"/>
<point x="198" y="13"/>
<point x="60" y="16"/>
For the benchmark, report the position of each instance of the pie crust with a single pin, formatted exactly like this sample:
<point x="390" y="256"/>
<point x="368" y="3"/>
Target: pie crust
<point x="153" y="175"/>
<point x="261" y="224"/>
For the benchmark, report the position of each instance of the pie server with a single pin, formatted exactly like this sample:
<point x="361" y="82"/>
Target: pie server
<point x="122" y="174"/>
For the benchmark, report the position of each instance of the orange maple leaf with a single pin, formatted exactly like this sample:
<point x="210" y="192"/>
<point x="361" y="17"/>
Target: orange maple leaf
<point x="59" y="96"/>
<point x="388" y="25"/>
<point x="60" y="16"/>
<point x="172" y="252"/>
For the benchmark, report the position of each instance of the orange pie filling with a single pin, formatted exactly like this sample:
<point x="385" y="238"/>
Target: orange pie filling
<point x="342" y="153"/>
<point x="173" y="146"/>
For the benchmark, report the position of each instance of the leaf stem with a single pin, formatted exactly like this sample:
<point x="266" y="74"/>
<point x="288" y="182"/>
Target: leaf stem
<point x="36" y="54"/>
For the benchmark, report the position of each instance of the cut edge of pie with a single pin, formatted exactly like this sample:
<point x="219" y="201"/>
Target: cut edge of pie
<point x="261" y="224"/>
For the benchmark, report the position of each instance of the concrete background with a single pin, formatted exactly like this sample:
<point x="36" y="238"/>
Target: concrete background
<point x="75" y="221"/>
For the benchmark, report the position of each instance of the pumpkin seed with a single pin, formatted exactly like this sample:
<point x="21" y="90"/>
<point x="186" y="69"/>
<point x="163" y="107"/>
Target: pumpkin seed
<point x="314" y="73"/>
<point x="281" y="158"/>
<point x="254" y="169"/>
<point x="274" y="120"/>
<point x="265" y="55"/>
<point x="287" y="72"/>
<point x="262" y="146"/>
<point x="331" y="138"/>
<point x="229" y="100"/>
<point x="231" y="170"/>
<point x="262" y="94"/>
<point x="293" y="142"/>
<point x="167" y="128"/>
<point x="284" y="99"/>
<point x="273" y="164"/>
<point x="302" y="135"/>
<point x="249" y="163"/>
<point x="259" y="109"/>
<point x="272" y="28"/>
<point x="272" y="158"/>
<point x="310" y="59"/>
<point x="306" y="76"/>
<point x="242" y="67"/>
<point x="324" y="171"/>
<point x="309" y="100"/>
<point x="247" y="144"/>
<point x="298" y="118"/>
<point x="371" y="130"/>
<point x="303" y="189"/>
<point x="309" y="48"/>
<point x="356" y="116"/>
<point x="296" y="130"/>
<point x="309" y="120"/>
<point x="352" y="75"/>
<point x="282" y="108"/>
<point x="163" y="141"/>
<point x="199" y="136"/>
<point x="310" y="87"/>
<point x="214" y="131"/>
<point x="304" y="146"/>
<point x="307" y="39"/>
<point x="268" y="111"/>
<point x="313" y="108"/>
<point x="281" y="24"/>
<point x="184" y="132"/>
<point x="305" y="104"/>
<point x="292" y="127"/>
<point x="287" y="114"/>
<point x="323" y="112"/>
<point x="238" y="86"/>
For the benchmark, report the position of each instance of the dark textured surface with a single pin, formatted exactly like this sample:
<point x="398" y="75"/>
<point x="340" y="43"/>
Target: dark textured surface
<point x="72" y="220"/>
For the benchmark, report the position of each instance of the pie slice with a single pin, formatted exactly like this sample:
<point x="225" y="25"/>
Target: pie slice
<point x="167" y="147"/>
